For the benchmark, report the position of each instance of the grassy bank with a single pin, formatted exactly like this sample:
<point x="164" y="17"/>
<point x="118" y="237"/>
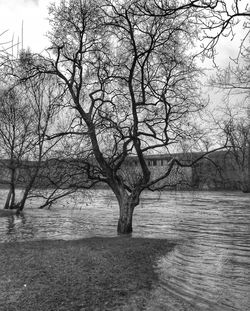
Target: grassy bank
<point x="89" y="274"/>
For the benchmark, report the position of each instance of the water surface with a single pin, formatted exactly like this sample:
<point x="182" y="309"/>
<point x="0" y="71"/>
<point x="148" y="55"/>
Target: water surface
<point x="209" y="269"/>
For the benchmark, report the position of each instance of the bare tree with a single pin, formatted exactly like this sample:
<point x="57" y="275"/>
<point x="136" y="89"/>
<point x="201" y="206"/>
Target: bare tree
<point x="234" y="82"/>
<point x="130" y="75"/>
<point x="236" y="128"/>
<point x="133" y="84"/>
<point x="28" y="112"/>
<point x="235" y="78"/>
<point x="212" y="19"/>
<point x="16" y="137"/>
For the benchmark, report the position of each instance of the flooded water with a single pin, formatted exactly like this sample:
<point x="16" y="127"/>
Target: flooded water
<point x="209" y="269"/>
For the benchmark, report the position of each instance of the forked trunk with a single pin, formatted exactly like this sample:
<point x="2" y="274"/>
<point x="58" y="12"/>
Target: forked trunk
<point x="23" y="200"/>
<point x="127" y="204"/>
<point x="29" y="185"/>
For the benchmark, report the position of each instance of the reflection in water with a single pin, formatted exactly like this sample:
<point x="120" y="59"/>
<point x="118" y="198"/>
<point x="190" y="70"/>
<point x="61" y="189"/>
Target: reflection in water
<point x="14" y="223"/>
<point x="208" y="270"/>
<point x="18" y="229"/>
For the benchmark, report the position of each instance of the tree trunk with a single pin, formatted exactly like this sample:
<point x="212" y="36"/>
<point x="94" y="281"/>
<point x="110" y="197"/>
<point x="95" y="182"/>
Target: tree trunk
<point x="21" y="204"/>
<point x="10" y="201"/>
<point x="13" y="197"/>
<point x="127" y="203"/>
<point x="125" y="219"/>
<point x="245" y="182"/>
<point x="7" y="202"/>
<point x="245" y="187"/>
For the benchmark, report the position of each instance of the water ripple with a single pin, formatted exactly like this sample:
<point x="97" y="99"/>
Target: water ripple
<point x="209" y="269"/>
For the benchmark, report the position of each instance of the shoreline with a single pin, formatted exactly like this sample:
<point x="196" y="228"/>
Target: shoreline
<point x="116" y="273"/>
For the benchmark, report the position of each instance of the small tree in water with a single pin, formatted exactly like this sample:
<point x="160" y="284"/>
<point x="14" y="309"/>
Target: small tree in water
<point x="132" y="83"/>
<point x="15" y="138"/>
<point x="237" y="130"/>
<point x="27" y="113"/>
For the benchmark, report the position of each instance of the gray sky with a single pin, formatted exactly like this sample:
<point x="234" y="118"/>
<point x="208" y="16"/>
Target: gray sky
<point x="33" y="13"/>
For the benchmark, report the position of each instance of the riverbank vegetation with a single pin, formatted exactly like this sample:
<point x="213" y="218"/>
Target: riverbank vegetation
<point x="89" y="274"/>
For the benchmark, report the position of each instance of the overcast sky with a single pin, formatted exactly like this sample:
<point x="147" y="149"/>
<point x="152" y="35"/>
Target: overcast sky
<point x="33" y="13"/>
